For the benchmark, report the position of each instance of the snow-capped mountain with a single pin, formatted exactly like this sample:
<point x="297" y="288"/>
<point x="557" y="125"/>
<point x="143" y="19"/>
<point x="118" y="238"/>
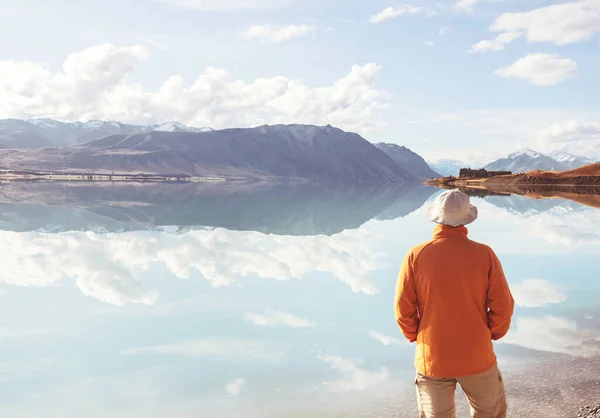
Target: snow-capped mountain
<point x="176" y="127"/>
<point x="46" y="123"/>
<point x="43" y="132"/>
<point x="527" y="160"/>
<point x="571" y="161"/>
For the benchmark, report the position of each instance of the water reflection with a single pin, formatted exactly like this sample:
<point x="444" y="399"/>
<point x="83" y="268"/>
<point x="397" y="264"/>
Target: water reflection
<point x="555" y="335"/>
<point x="526" y="207"/>
<point x="290" y="209"/>
<point x="535" y="293"/>
<point x="154" y="302"/>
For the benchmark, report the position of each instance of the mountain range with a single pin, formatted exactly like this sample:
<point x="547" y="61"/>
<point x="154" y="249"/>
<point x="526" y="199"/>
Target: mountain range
<point x="291" y="152"/>
<point x="527" y="160"/>
<point x="42" y="133"/>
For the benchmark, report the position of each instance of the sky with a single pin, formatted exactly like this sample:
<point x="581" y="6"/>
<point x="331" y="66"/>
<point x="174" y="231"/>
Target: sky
<point x="465" y="79"/>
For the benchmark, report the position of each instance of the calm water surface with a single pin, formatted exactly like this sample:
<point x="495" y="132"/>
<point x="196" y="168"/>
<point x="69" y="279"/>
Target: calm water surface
<point x="133" y="302"/>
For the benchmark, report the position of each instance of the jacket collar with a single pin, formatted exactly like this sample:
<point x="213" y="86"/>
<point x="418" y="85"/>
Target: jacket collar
<point x="445" y="231"/>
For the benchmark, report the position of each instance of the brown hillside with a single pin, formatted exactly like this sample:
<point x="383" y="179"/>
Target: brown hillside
<point x="585" y="176"/>
<point x="585" y="171"/>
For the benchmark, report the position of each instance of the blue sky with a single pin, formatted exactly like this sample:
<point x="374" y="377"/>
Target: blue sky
<point x="415" y="74"/>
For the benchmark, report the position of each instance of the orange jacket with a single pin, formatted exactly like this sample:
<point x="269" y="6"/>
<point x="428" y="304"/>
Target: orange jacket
<point x="452" y="299"/>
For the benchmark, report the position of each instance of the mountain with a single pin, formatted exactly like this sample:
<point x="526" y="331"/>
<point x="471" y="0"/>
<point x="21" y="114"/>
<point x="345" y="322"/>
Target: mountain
<point x="447" y="167"/>
<point x="571" y="161"/>
<point x="281" y="209"/>
<point x="291" y="152"/>
<point x="175" y="127"/>
<point x="410" y="161"/>
<point x="41" y="133"/>
<point x="15" y="133"/>
<point x="527" y="160"/>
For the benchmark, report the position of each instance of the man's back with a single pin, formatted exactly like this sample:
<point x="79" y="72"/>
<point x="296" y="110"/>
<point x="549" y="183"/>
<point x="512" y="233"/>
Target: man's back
<point x="454" y="281"/>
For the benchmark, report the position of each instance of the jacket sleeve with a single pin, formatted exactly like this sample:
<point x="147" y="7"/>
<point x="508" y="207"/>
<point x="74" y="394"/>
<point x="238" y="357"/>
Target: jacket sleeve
<point x="405" y="301"/>
<point x="500" y="301"/>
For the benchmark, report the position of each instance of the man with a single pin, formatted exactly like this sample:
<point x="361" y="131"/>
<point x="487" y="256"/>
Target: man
<point x="452" y="299"/>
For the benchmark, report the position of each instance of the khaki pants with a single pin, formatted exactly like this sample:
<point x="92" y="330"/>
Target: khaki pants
<point x="484" y="391"/>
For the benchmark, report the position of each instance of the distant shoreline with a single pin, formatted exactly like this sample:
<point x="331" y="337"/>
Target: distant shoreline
<point x="571" y="185"/>
<point x="14" y="176"/>
<point x="588" y="175"/>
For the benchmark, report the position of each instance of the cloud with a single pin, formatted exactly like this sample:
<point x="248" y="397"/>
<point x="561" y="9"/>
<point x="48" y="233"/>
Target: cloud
<point x="273" y="318"/>
<point x="467" y="5"/>
<point x="554" y="335"/>
<point x="394" y="12"/>
<point x="429" y="43"/>
<point x="534" y="293"/>
<point x="385" y="339"/>
<point x="226" y="5"/>
<point x="233" y="349"/>
<point x="85" y="78"/>
<point x="497" y="44"/>
<point x="540" y="69"/>
<point x="559" y="24"/>
<point x="111" y="267"/>
<point x="234" y="387"/>
<point x="97" y="83"/>
<point x="577" y="137"/>
<point x="355" y="378"/>
<point x="522" y="124"/>
<point x="277" y="34"/>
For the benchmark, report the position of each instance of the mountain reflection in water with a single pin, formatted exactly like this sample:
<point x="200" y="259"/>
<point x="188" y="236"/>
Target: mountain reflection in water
<point x="281" y="209"/>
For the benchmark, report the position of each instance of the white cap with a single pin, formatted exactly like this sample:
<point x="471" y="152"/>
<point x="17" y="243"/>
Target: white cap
<point x="452" y="208"/>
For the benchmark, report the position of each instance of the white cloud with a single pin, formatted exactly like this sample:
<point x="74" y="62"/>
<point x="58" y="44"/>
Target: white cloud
<point x="393" y="12"/>
<point x="97" y="84"/>
<point x="110" y="267"/>
<point x="273" y="318"/>
<point x="385" y="339"/>
<point x="234" y="387"/>
<point x="429" y="43"/>
<point x="443" y="31"/>
<point x="226" y="5"/>
<point x="577" y="137"/>
<point x="522" y="124"/>
<point x="554" y="335"/>
<point x="540" y="69"/>
<point x="354" y="378"/>
<point x="234" y="349"/>
<point x="467" y="5"/>
<point x="559" y="24"/>
<point x="277" y="34"/>
<point x="497" y="44"/>
<point x="534" y="293"/>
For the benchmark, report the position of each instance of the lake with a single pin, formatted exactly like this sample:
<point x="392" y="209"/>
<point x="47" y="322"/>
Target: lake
<point x="268" y="300"/>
